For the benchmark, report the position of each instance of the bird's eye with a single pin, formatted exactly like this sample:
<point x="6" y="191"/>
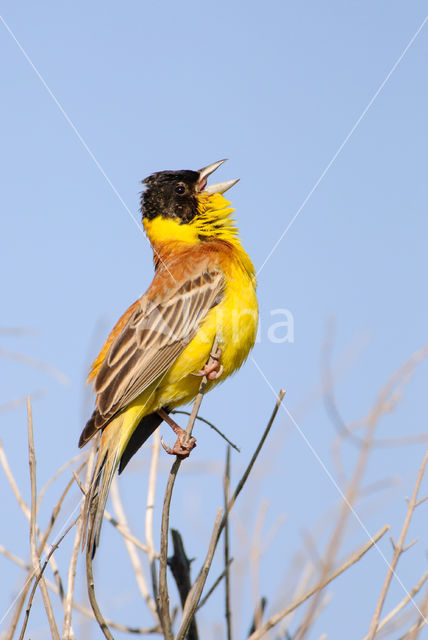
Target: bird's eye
<point x="180" y="189"/>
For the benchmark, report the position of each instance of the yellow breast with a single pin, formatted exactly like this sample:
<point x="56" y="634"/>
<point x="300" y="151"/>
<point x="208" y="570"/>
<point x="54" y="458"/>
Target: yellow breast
<point x="234" y="322"/>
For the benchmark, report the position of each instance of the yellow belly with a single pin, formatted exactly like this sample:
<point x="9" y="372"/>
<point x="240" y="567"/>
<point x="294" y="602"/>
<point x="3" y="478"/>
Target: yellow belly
<point x="234" y="321"/>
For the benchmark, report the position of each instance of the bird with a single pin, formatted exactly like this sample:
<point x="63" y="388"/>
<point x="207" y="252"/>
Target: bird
<point x="203" y="292"/>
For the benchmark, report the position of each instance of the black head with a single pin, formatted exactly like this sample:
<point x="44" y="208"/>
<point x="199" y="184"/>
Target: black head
<point x="171" y="194"/>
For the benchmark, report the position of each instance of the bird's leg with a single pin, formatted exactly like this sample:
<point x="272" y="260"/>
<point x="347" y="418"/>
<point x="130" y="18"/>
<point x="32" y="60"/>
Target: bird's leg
<point x="184" y="444"/>
<point x="214" y="370"/>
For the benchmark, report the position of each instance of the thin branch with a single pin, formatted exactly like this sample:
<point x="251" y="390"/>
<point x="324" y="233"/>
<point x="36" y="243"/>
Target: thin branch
<point x="210" y="424"/>
<point x="38" y="364"/>
<point x="195" y="592"/>
<point x="150" y="508"/>
<point x="131" y="549"/>
<point x="250" y="465"/>
<point x="163" y="598"/>
<point x="10" y="478"/>
<point x="398" y="550"/>
<point x="56" y="475"/>
<point x="40" y="575"/>
<point x="76" y="605"/>
<point x="125" y="532"/>
<point x="92" y="598"/>
<point x="35" y="558"/>
<point x="226" y="488"/>
<point x="220" y="523"/>
<point x="386" y="399"/>
<point x="355" y="557"/>
<point x="258" y="614"/>
<point x="413" y="633"/>
<point x="214" y="586"/>
<point x="396" y="610"/>
<point x="71" y="578"/>
<point x="26" y="511"/>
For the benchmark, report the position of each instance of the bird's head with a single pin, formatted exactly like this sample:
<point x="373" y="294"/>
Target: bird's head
<point x="174" y="199"/>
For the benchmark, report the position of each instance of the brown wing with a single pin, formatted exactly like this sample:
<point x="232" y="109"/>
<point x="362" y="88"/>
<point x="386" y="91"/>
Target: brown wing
<point x="153" y="337"/>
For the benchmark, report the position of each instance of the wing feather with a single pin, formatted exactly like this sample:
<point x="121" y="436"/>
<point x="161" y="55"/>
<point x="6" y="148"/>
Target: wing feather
<point x="152" y="339"/>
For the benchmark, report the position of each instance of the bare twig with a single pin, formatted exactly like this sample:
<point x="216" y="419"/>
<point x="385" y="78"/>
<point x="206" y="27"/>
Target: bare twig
<point x="26" y="511"/>
<point x="195" y="592"/>
<point x="210" y="424"/>
<point x="250" y="465"/>
<point x="131" y="549"/>
<point x="56" y="475"/>
<point x="92" y="598"/>
<point x="227" y="610"/>
<point x="69" y="598"/>
<point x="35" y="558"/>
<point x="413" y="633"/>
<point x="78" y="607"/>
<point x="163" y="598"/>
<point x="22" y="401"/>
<point x="125" y="532"/>
<point x="10" y="478"/>
<point x="40" y="575"/>
<point x="386" y="399"/>
<point x="214" y="586"/>
<point x="150" y="508"/>
<point x="38" y="364"/>
<point x="220" y="523"/>
<point x="396" y="610"/>
<point x="398" y="550"/>
<point x="14" y="558"/>
<point x="355" y="557"/>
<point x="258" y="614"/>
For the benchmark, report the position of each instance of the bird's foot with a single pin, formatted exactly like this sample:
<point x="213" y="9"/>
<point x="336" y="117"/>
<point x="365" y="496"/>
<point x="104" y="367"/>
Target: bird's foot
<point x="184" y="445"/>
<point x="214" y="369"/>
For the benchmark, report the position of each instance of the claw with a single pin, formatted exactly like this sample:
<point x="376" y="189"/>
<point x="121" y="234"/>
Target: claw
<point x="214" y="375"/>
<point x="214" y="370"/>
<point x="182" y="447"/>
<point x="166" y="447"/>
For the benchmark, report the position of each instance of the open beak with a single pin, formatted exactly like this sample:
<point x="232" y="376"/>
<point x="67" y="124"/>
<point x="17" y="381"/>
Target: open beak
<point x="220" y="187"/>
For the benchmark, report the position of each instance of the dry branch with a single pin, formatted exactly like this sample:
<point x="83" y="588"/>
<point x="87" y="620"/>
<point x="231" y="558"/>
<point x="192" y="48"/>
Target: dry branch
<point x="226" y="488"/>
<point x="163" y="599"/>
<point x="357" y="555"/>
<point x="35" y="557"/>
<point x="150" y="508"/>
<point x="69" y="598"/>
<point x="40" y="576"/>
<point x="210" y="424"/>
<point x="92" y="598"/>
<point x="131" y="549"/>
<point x="398" y="551"/>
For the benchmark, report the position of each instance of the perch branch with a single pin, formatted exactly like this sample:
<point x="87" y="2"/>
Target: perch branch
<point x="226" y="488"/>
<point x="163" y="598"/>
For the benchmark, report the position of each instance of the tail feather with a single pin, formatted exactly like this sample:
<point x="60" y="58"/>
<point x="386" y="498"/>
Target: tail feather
<point x="108" y="457"/>
<point x="119" y="441"/>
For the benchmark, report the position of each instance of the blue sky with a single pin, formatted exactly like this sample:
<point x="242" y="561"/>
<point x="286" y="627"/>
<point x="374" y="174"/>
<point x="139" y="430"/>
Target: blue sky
<point x="275" y="87"/>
